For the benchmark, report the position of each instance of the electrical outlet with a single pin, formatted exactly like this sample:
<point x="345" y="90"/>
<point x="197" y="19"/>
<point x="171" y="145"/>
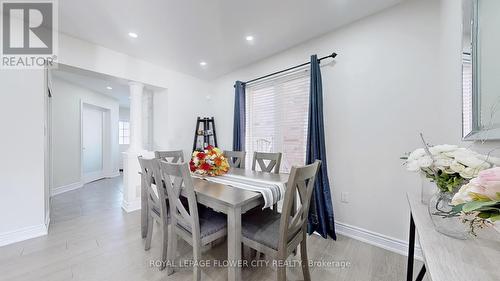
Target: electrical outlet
<point x="344" y="197"/>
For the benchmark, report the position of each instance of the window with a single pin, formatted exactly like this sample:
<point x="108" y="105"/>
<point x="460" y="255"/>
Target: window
<point x="277" y="116"/>
<point x="124" y="132"/>
<point x="467" y="94"/>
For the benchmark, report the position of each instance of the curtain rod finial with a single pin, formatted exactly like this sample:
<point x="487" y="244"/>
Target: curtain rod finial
<point x="334" y="55"/>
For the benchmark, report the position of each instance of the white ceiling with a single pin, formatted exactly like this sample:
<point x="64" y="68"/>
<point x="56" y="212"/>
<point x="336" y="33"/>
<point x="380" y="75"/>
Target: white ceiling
<point x="96" y="83"/>
<point x="179" y="34"/>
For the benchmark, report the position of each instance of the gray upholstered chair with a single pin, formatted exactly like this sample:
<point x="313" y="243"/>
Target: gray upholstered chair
<point x="277" y="235"/>
<point x="272" y="166"/>
<point x="157" y="207"/>
<point x="198" y="229"/>
<point x="236" y="159"/>
<point x="173" y="156"/>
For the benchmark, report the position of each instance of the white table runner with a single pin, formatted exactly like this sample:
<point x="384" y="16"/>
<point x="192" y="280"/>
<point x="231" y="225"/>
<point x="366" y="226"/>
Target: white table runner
<point x="272" y="191"/>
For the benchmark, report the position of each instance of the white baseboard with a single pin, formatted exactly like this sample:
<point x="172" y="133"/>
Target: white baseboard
<point x="66" y="188"/>
<point x="131" y="206"/>
<point x="377" y="239"/>
<point x="23" y="234"/>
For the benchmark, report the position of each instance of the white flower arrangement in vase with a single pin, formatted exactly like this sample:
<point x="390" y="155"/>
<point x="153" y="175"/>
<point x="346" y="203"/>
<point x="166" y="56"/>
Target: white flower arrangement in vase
<point x="449" y="167"/>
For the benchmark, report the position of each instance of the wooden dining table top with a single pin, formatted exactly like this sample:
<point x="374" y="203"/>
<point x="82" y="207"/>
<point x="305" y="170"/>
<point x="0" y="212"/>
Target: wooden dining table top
<point x="234" y="196"/>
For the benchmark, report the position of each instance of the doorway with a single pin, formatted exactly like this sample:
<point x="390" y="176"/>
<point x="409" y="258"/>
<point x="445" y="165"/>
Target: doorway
<point x="94" y="135"/>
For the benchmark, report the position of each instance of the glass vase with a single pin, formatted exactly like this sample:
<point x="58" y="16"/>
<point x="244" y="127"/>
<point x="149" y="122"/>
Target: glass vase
<point x="427" y="189"/>
<point x="440" y="210"/>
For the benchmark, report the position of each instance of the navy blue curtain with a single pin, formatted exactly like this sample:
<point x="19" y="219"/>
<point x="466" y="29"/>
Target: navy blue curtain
<point x="239" y="117"/>
<point x="321" y="210"/>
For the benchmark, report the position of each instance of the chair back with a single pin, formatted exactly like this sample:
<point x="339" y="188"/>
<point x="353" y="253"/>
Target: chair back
<point x="179" y="183"/>
<point x="273" y="164"/>
<point x="236" y="159"/>
<point x="301" y="182"/>
<point x="173" y="156"/>
<point x="151" y="176"/>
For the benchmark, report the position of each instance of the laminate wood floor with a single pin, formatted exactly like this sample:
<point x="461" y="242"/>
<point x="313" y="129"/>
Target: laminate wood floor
<point x="91" y="238"/>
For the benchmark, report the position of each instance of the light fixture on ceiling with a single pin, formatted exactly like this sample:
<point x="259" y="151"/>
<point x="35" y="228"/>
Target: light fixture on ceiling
<point x="203" y="63"/>
<point x="133" y="34"/>
<point x="109" y="88"/>
<point x="249" y="38"/>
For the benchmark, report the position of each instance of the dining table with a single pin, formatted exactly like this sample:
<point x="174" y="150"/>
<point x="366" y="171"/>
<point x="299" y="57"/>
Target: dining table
<point x="234" y="202"/>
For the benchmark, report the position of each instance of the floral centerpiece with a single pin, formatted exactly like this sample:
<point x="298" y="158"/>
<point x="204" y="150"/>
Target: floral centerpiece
<point x="209" y="162"/>
<point x="478" y="202"/>
<point x="449" y="167"/>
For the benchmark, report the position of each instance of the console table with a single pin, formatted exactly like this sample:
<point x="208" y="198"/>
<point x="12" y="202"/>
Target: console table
<point x="446" y="258"/>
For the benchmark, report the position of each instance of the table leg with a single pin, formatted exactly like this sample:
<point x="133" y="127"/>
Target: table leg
<point x="411" y="250"/>
<point x="234" y="244"/>
<point x="421" y="274"/>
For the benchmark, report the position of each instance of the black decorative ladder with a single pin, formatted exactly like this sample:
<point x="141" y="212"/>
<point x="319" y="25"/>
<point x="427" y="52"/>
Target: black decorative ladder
<point x="204" y="133"/>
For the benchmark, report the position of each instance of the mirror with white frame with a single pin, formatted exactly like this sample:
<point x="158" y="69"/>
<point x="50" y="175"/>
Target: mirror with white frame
<point x="481" y="70"/>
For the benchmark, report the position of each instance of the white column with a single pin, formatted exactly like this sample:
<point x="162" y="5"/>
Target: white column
<point x="131" y="167"/>
<point x="136" y="90"/>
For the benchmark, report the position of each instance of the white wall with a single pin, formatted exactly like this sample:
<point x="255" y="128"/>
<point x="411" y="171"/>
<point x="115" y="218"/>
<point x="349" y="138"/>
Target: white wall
<point x="22" y="150"/>
<point x="124" y="116"/>
<point x="175" y="109"/>
<point x="397" y="74"/>
<point x="66" y="128"/>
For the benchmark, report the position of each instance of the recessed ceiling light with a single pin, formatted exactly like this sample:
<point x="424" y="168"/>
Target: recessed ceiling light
<point x="203" y="63"/>
<point x="109" y="88"/>
<point x="133" y="34"/>
<point x="249" y="38"/>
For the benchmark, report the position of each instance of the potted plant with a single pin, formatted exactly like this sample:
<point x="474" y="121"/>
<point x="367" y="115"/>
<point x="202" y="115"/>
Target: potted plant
<point x="209" y="162"/>
<point x="448" y="167"/>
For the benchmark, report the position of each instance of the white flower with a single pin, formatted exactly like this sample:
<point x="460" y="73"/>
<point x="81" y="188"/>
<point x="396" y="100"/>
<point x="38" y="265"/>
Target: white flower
<point x="443" y="161"/>
<point x="472" y="161"/>
<point x="462" y="196"/>
<point x="417" y="154"/>
<point x="425" y="162"/>
<point x="469" y="173"/>
<point x="457" y="167"/>
<point x="412" y="166"/>
<point x="442" y="148"/>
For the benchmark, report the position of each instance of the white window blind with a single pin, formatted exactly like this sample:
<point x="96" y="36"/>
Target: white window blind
<point x="276" y="118"/>
<point x="467" y="93"/>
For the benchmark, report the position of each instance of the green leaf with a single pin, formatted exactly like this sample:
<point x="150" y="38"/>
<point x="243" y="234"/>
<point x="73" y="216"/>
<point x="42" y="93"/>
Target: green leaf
<point x="474" y="205"/>
<point x="484" y="215"/>
<point x="495" y="218"/>
<point x="457" y="208"/>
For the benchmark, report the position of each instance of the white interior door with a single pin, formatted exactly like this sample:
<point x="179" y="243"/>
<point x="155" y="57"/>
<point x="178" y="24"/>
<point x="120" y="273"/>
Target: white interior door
<point x="92" y="143"/>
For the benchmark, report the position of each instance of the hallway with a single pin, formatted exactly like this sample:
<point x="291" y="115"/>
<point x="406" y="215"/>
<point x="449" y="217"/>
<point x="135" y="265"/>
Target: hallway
<point x="100" y="196"/>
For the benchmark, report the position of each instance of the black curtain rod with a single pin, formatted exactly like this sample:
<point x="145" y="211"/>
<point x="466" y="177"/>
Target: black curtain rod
<point x="333" y="55"/>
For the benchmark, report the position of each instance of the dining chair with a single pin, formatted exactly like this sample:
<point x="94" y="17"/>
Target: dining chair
<point x="198" y="229"/>
<point x="173" y="156"/>
<point x="157" y="204"/>
<point x="236" y="159"/>
<point x="277" y="235"/>
<point x="273" y="164"/>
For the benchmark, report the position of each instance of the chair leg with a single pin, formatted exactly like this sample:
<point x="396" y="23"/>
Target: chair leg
<point x="164" y="244"/>
<point x="149" y="234"/>
<point x="281" y="273"/>
<point x="275" y="208"/>
<point x="196" y="259"/>
<point x="171" y="250"/>
<point x="304" y="259"/>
